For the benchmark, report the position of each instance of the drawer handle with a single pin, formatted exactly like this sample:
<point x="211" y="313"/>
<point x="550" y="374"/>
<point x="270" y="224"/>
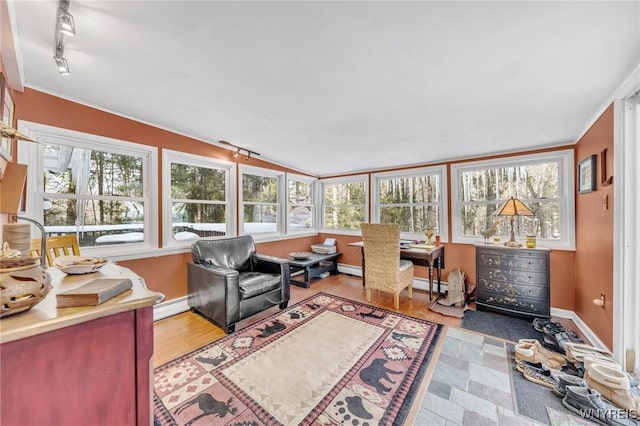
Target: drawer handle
<point x="530" y="263"/>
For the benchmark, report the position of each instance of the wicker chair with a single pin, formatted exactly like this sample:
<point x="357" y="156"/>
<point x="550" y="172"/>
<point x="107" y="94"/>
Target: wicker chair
<point x="384" y="269"/>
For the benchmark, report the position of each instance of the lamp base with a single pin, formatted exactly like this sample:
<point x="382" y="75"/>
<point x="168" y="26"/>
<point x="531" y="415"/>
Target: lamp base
<point x="513" y="244"/>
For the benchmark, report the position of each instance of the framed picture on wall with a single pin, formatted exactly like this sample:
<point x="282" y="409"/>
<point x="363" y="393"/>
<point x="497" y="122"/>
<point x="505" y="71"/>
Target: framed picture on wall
<point x="6" y="114"/>
<point x="587" y="175"/>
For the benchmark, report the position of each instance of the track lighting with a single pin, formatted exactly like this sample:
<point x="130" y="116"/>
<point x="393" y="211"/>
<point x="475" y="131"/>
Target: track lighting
<point x="65" y="26"/>
<point x="239" y="150"/>
<point x="65" y="22"/>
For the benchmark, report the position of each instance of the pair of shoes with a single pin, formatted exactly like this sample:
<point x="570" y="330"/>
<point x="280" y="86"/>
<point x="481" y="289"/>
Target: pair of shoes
<point x="613" y="385"/>
<point x="563" y="380"/>
<point x="531" y="352"/>
<point x="540" y="375"/>
<point x="577" y="351"/>
<point x="544" y="351"/>
<point x="558" y="341"/>
<point x="539" y="324"/>
<point x="588" y="404"/>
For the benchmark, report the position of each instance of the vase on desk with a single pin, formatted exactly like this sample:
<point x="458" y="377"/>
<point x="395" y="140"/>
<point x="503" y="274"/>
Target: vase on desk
<point x="429" y="232"/>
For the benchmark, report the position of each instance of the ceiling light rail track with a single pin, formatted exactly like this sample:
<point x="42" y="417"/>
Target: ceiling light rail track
<point x="65" y="27"/>
<point x="239" y="150"/>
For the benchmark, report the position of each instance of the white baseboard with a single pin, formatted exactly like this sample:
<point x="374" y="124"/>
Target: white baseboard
<point x="170" y="308"/>
<point x="584" y="328"/>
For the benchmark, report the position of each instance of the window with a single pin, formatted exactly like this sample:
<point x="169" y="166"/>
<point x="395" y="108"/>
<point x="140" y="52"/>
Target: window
<point x="199" y="199"/>
<point x="415" y="199"/>
<point x="94" y="187"/>
<point x="301" y="204"/>
<point x="344" y="203"/>
<point x="260" y="201"/>
<point x="544" y="182"/>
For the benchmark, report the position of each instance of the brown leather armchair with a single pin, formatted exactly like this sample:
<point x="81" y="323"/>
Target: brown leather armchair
<point x="228" y="281"/>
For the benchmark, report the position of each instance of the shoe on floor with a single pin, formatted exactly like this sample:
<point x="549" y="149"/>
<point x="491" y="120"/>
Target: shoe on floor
<point x="540" y="323"/>
<point x="541" y="376"/>
<point x="577" y="352"/>
<point x="613" y="385"/>
<point x="563" y="380"/>
<point x="530" y="352"/>
<point x="545" y="352"/>
<point x="588" y="404"/>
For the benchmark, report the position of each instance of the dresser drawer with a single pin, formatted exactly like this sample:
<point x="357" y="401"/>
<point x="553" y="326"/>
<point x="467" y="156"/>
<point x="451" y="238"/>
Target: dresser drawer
<point x="534" y="307"/>
<point x="509" y="289"/>
<point x="529" y="260"/>
<point x="516" y="276"/>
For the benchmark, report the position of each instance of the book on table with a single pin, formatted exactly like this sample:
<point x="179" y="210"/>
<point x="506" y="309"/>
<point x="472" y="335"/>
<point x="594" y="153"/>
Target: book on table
<point x="94" y="292"/>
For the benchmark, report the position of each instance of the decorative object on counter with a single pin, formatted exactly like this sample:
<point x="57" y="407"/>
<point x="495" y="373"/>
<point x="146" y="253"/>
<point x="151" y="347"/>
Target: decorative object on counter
<point x="429" y="232"/>
<point x="23" y="282"/>
<point x="512" y="208"/>
<point x="587" y="175"/>
<point x="489" y="232"/>
<point x="531" y="241"/>
<point x="78" y="265"/>
<point x="43" y="240"/>
<point x="496" y="241"/>
<point x="300" y="255"/>
<point x="437" y="240"/>
<point x="18" y="235"/>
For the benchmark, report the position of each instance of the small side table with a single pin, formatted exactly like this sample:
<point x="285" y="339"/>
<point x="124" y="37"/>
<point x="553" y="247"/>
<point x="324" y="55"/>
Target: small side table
<point x="314" y="266"/>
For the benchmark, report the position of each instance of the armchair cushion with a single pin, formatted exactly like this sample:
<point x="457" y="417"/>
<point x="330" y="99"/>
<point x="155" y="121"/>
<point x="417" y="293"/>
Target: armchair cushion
<point x="255" y="283"/>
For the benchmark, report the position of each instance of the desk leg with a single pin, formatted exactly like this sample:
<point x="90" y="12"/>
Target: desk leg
<point x="439" y="274"/>
<point x="431" y="280"/>
<point x="363" y="274"/>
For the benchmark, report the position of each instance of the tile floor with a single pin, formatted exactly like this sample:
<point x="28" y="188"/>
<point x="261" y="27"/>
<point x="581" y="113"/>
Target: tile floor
<point x="471" y="384"/>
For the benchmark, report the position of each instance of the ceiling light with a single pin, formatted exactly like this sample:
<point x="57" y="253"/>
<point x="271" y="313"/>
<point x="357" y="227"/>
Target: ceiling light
<point x="63" y="66"/>
<point x="237" y="153"/>
<point x="64" y="26"/>
<point x="65" y="22"/>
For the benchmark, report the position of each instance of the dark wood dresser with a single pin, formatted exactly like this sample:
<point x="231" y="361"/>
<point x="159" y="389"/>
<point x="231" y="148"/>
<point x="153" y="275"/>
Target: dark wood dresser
<point x="513" y="281"/>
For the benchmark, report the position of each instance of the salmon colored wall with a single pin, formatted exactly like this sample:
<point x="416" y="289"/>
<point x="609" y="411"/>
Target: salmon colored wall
<point x="594" y="235"/>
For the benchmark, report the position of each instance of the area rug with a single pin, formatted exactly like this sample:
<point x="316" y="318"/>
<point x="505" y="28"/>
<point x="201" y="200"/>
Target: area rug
<point x="450" y="311"/>
<point x="502" y="326"/>
<point x="325" y="360"/>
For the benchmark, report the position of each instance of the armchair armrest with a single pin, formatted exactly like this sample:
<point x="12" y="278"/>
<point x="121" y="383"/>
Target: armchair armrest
<point x="274" y="265"/>
<point x="214" y="292"/>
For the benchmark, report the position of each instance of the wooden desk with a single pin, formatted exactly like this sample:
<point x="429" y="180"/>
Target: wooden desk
<point x="80" y="365"/>
<point x="432" y="258"/>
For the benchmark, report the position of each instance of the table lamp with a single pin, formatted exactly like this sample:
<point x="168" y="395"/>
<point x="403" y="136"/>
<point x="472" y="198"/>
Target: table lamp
<point x="512" y="208"/>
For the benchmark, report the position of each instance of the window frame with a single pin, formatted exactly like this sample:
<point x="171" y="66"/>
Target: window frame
<point x="314" y="206"/>
<point x="338" y="180"/>
<point x="280" y="201"/>
<point x="32" y="154"/>
<point x="441" y="172"/>
<point x="566" y="193"/>
<point x="170" y="157"/>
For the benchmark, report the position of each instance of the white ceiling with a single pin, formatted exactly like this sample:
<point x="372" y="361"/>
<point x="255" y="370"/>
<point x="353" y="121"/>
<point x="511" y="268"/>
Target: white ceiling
<point x="336" y="87"/>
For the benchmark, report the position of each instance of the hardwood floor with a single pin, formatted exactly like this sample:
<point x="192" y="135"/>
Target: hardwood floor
<point x="183" y="333"/>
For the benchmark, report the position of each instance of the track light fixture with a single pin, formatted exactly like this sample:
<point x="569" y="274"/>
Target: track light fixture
<point x="239" y="150"/>
<point x="65" y="26"/>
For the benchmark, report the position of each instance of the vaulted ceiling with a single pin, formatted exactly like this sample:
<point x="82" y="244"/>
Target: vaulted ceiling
<point x="336" y="87"/>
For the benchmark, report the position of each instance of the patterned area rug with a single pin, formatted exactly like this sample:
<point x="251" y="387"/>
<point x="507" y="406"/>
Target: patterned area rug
<point x="326" y="360"/>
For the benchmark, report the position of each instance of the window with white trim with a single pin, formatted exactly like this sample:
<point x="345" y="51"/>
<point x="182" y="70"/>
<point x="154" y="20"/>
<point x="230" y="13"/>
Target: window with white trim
<point x="344" y="203"/>
<point x="544" y="182"/>
<point x="301" y="204"/>
<point x="261" y="201"/>
<point x="98" y="188"/>
<point x="416" y="199"/>
<point x="199" y="197"/>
